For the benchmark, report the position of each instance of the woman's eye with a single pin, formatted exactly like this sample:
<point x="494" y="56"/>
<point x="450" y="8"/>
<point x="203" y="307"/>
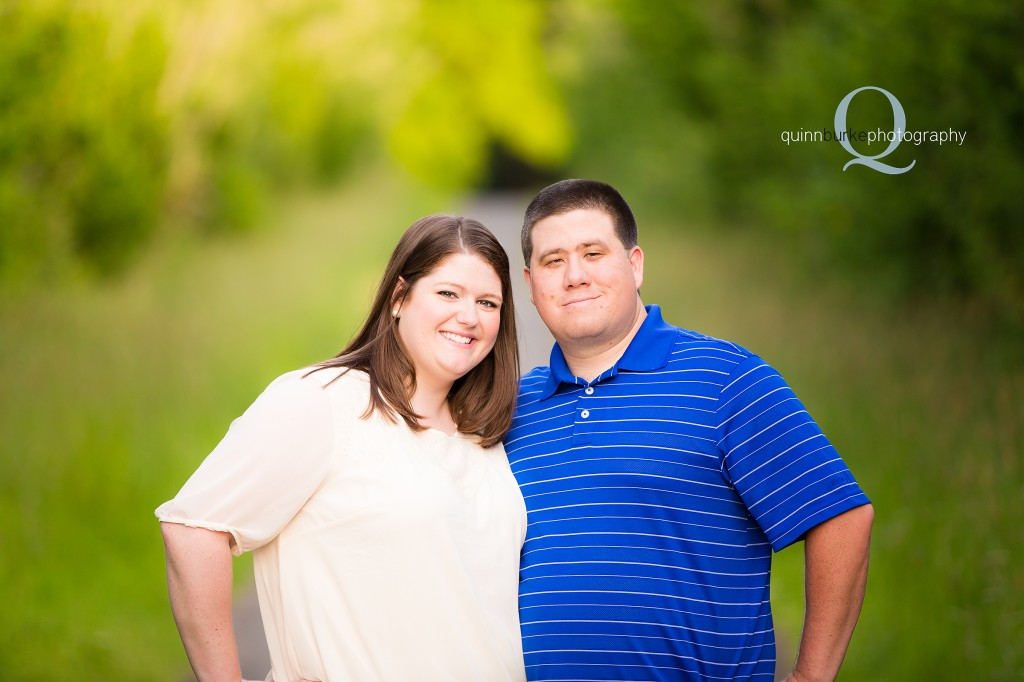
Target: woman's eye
<point x="446" y="294"/>
<point x="489" y="304"/>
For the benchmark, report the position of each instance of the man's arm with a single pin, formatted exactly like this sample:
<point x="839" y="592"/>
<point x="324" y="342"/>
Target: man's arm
<point x="835" y="576"/>
<point x="199" y="585"/>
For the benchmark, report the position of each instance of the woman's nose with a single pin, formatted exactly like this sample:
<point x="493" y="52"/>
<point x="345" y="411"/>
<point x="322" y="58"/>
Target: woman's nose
<point x="468" y="314"/>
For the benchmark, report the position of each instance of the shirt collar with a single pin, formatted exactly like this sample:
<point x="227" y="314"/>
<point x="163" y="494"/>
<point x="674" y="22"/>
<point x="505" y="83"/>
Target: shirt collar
<point x="649" y="350"/>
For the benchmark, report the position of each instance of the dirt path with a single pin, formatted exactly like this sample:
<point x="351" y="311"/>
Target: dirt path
<point x="503" y="214"/>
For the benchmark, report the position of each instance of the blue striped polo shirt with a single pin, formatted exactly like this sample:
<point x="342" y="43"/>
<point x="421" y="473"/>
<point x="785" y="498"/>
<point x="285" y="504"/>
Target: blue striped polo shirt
<point x="656" y="494"/>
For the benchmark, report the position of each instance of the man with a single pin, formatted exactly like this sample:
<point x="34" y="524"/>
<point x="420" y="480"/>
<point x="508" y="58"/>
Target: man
<point x="661" y="468"/>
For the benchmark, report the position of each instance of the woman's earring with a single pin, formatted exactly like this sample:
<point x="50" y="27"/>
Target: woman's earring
<point x="394" y="313"/>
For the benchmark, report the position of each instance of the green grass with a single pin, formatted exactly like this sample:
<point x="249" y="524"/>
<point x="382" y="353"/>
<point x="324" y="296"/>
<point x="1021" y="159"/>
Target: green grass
<point x="927" y="410"/>
<point x="112" y="395"/>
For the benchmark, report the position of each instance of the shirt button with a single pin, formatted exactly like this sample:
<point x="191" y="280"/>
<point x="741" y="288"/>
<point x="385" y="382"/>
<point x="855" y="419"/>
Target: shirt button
<point x="585" y="413"/>
<point x="589" y="390"/>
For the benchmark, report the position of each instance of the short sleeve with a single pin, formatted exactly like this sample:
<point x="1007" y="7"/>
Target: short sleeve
<point x="270" y="462"/>
<point x="788" y="473"/>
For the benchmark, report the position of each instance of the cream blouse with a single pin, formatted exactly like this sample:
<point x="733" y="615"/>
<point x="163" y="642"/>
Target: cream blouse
<point x="380" y="553"/>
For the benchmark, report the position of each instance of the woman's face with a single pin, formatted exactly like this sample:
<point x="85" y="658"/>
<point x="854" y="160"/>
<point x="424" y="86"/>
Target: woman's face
<point x="449" y="320"/>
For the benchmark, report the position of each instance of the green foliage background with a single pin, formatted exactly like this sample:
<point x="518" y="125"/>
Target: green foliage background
<point x="118" y="122"/>
<point x="197" y="196"/>
<point x="690" y="102"/>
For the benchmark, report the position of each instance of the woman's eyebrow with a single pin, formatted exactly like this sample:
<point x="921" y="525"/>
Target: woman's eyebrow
<point x="454" y="285"/>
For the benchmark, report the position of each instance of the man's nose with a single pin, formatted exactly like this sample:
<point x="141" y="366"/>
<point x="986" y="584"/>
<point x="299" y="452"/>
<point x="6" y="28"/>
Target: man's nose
<point x="576" y="273"/>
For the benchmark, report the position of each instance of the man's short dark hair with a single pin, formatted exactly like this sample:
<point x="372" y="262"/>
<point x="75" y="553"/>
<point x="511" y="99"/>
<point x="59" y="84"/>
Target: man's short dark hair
<point x="574" y="195"/>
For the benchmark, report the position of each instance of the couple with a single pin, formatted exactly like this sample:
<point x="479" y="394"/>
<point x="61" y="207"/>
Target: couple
<point x="413" y="520"/>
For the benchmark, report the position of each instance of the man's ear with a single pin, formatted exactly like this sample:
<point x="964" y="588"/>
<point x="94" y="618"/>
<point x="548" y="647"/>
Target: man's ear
<point x="636" y="262"/>
<point x="529" y="284"/>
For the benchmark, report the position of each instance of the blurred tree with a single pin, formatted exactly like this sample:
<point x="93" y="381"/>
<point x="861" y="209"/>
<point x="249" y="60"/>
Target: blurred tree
<point x="115" y="119"/>
<point x="689" y="101"/>
<point x="477" y="75"/>
<point x="82" y="145"/>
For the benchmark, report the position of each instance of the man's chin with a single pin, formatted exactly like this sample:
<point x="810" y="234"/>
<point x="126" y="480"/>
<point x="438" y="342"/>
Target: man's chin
<point x="580" y="332"/>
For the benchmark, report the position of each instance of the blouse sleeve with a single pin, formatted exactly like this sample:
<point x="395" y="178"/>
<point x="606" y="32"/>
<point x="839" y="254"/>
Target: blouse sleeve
<point x="270" y="462"/>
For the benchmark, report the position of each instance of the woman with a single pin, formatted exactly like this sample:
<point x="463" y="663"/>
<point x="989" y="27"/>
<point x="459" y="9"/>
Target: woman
<point x="373" y="489"/>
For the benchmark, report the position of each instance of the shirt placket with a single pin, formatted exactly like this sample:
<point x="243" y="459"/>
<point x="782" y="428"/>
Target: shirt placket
<point x="583" y="417"/>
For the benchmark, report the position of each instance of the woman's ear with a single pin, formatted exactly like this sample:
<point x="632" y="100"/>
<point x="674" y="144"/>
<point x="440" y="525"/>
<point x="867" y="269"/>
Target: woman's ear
<point x="398" y="297"/>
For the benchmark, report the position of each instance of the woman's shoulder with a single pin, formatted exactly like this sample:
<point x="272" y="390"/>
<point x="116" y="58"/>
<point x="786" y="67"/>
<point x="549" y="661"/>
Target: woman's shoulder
<point x="342" y="378"/>
<point x="326" y="395"/>
<point x="315" y="384"/>
<point x="474" y="442"/>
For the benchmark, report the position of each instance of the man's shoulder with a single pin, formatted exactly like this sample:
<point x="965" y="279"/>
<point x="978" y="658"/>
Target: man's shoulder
<point x="694" y="345"/>
<point x="731" y="367"/>
<point x="532" y="383"/>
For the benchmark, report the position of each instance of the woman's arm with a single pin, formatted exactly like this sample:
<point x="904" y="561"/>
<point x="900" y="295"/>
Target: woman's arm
<point x="289" y="432"/>
<point x="199" y="586"/>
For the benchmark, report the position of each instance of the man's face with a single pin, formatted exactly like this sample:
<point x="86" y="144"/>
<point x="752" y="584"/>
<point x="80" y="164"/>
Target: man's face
<point x="583" y="281"/>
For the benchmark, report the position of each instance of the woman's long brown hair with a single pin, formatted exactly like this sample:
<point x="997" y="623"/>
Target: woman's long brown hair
<point x="481" y="401"/>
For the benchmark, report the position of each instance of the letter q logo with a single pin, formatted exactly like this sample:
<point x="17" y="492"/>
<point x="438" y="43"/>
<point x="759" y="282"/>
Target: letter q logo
<point x="898" y="124"/>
